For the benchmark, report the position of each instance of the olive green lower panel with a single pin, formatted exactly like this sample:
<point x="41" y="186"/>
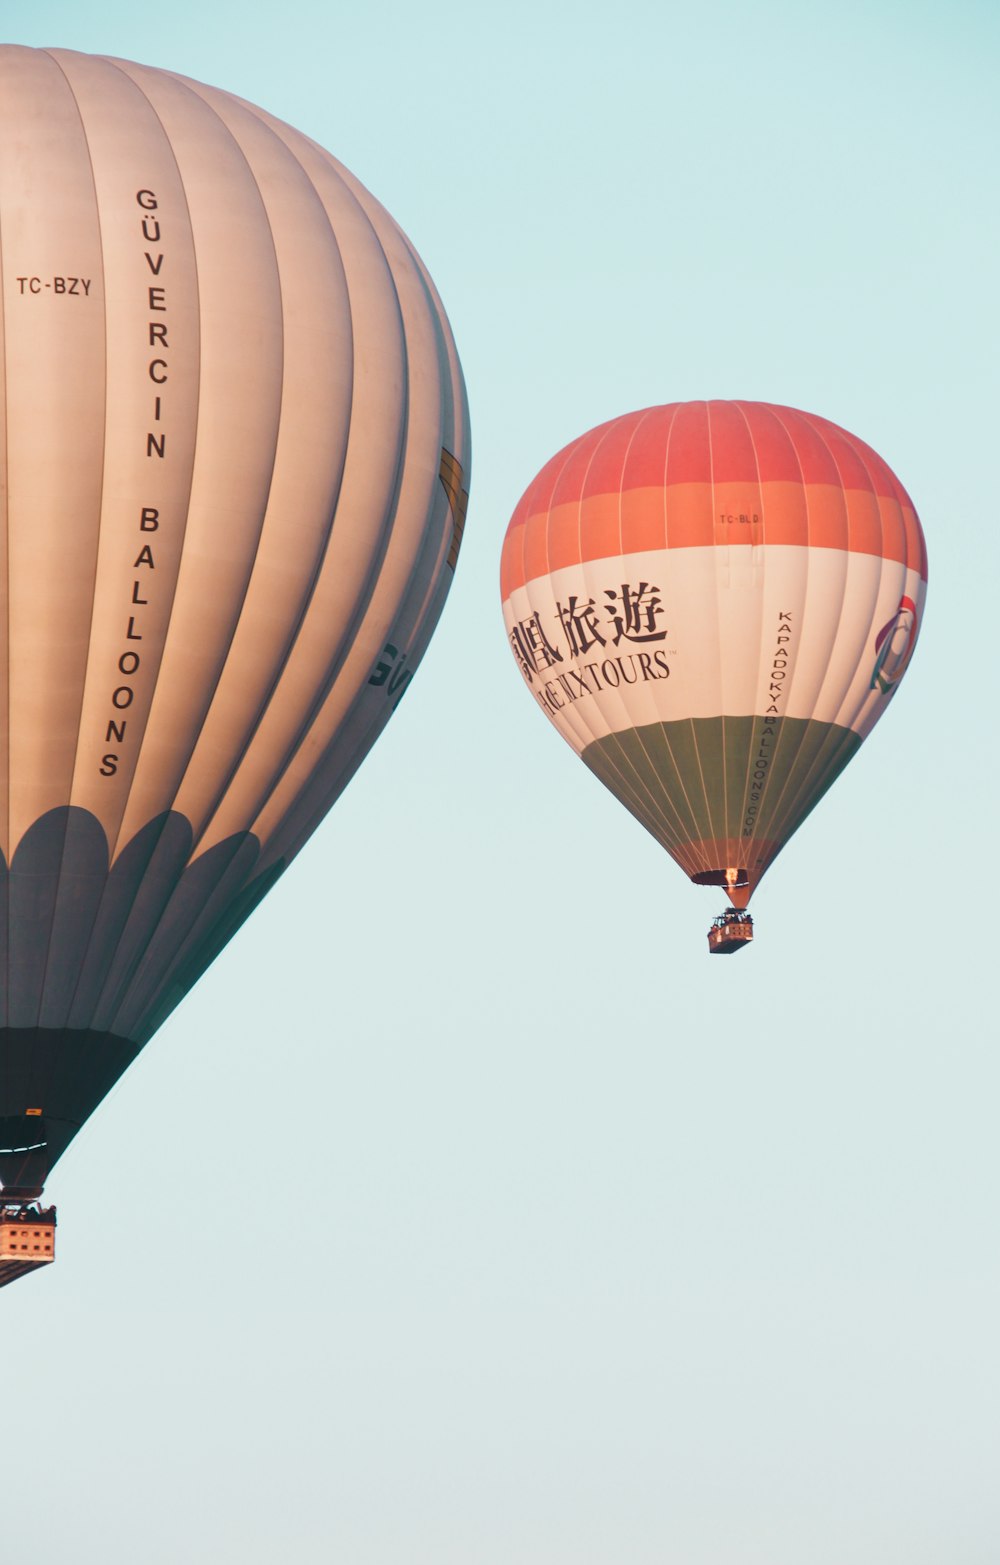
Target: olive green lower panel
<point x="723" y="793"/>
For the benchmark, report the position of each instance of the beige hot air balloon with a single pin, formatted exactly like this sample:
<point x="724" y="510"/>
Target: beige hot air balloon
<point x="235" y="458"/>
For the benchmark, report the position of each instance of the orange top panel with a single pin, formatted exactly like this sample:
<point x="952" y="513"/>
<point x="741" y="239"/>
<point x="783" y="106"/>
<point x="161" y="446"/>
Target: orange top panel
<point x="695" y="473"/>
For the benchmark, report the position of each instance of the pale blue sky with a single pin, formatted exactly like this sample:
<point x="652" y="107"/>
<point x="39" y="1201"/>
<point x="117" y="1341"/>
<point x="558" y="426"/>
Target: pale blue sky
<point x="598" y="1252"/>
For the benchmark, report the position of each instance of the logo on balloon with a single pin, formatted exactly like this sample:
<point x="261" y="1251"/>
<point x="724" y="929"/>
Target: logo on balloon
<point x="452" y="477"/>
<point x="394" y="676"/>
<point x="894" y="646"/>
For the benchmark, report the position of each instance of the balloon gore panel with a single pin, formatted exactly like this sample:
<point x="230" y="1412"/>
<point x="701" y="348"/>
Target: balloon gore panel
<point x="99" y="956"/>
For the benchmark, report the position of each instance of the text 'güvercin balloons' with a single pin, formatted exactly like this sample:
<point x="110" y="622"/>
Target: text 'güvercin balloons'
<point x="713" y="602"/>
<point x="235" y="460"/>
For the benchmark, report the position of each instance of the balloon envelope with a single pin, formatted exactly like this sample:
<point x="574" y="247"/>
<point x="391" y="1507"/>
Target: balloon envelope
<point x="714" y="602"/>
<point x="234" y="448"/>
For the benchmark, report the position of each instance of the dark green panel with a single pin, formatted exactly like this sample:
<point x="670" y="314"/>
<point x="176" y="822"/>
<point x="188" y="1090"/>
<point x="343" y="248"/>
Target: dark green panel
<point x="751" y="778"/>
<point x="61" y="1072"/>
<point x="93" y="958"/>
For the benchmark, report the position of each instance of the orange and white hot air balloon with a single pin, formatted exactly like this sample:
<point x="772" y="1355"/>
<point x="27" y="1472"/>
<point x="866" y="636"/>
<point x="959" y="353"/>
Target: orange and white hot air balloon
<point x="234" y="450"/>
<point x="713" y="602"/>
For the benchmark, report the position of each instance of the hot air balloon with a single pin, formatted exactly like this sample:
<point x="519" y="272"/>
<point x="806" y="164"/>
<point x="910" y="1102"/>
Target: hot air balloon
<point x="235" y="458"/>
<point x="714" y="603"/>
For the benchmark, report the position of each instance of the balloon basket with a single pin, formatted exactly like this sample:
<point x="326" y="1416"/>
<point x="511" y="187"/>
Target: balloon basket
<point x="27" y="1239"/>
<point x="731" y="931"/>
